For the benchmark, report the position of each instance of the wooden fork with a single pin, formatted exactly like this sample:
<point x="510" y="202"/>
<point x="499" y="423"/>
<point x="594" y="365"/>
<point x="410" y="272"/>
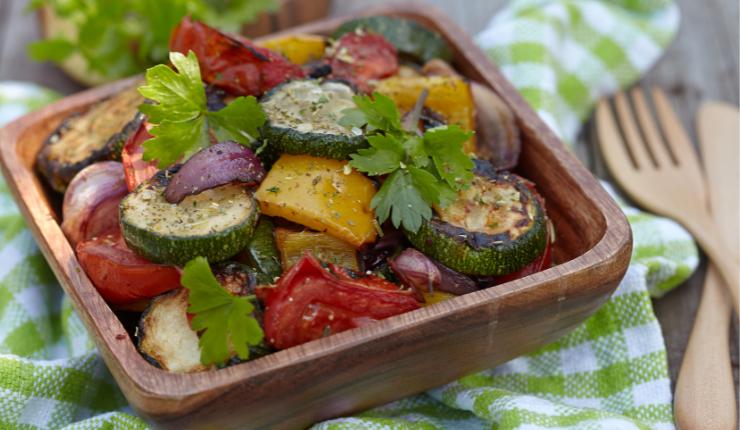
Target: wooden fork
<point x="662" y="175"/>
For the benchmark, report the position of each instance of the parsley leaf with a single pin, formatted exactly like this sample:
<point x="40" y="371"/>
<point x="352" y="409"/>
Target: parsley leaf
<point x="431" y="189"/>
<point x="179" y="95"/>
<point x="352" y="117"/>
<point x="383" y="157"/>
<point x="238" y="121"/>
<point x="227" y="320"/>
<point x="444" y="145"/>
<point x="422" y="170"/>
<point x="172" y="140"/>
<point x="182" y="121"/>
<point x="379" y="112"/>
<point x="402" y="201"/>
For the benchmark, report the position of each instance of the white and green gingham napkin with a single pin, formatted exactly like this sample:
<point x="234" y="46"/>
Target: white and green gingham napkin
<point x="610" y="373"/>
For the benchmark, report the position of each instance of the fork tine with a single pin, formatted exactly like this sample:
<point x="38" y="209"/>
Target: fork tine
<point x="612" y="147"/>
<point x="676" y="136"/>
<point x="652" y="137"/>
<point x="631" y="132"/>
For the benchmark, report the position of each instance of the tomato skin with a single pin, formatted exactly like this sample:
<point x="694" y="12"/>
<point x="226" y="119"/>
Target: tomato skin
<point x="121" y="276"/>
<point x="376" y="282"/>
<point x="134" y="167"/>
<point x="232" y="62"/>
<point x="360" y="58"/>
<point x="309" y="302"/>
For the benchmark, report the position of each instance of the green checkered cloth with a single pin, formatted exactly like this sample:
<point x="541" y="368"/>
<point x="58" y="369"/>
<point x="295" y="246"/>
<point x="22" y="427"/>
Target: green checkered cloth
<point x="610" y="373"/>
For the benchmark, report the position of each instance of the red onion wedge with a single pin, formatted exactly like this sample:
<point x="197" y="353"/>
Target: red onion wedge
<point x="211" y="167"/>
<point x="90" y="207"/>
<point x="420" y="272"/>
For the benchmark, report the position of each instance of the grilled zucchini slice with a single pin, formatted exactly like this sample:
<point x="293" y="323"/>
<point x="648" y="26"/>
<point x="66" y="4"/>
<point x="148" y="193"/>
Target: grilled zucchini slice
<point x="89" y="137"/>
<point x="165" y="338"/>
<point x="215" y="224"/>
<point x="496" y="226"/>
<point x="411" y="38"/>
<point x="303" y="116"/>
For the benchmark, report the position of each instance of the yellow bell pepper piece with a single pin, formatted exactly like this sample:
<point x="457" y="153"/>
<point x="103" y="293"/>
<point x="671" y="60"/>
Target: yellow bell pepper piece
<point x="327" y="248"/>
<point x="449" y="96"/>
<point x="322" y="194"/>
<point x="299" y="49"/>
<point x="435" y="297"/>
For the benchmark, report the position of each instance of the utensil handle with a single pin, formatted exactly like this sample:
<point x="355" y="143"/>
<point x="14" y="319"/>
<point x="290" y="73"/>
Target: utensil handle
<point x="720" y="255"/>
<point x="705" y="392"/>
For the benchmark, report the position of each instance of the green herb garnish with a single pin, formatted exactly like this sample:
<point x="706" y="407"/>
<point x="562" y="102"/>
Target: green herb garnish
<point x="422" y="170"/>
<point x="182" y="121"/>
<point x="226" y="320"/>
<point x="120" y="38"/>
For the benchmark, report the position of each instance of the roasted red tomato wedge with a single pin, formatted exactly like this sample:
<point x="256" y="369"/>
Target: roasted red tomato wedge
<point x="232" y="62"/>
<point x="360" y="58"/>
<point x="309" y="302"/>
<point x="135" y="168"/>
<point x="121" y="276"/>
<point x="368" y="281"/>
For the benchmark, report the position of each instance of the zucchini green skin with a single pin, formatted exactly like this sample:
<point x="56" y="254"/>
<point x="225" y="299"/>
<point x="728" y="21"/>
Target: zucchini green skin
<point x="262" y="254"/>
<point x="409" y="37"/>
<point x="178" y="250"/>
<point x="290" y="141"/>
<point x="279" y="140"/>
<point x="481" y="254"/>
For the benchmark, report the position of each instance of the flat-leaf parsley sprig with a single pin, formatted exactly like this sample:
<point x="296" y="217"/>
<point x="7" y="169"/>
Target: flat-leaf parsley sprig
<point x="226" y="320"/>
<point x="423" y="170"/>
<point x="183" y="123"/>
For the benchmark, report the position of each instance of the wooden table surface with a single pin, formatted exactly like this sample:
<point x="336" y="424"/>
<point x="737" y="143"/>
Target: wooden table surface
<point x="701" y="65"/>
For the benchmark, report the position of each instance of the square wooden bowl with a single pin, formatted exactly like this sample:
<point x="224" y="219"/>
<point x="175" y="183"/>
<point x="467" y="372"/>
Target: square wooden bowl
<point x="355" y="370"/>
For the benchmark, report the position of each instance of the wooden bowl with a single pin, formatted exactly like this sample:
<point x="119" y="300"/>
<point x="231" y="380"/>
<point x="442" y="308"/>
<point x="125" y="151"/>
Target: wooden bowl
<point x="369" y="366"/>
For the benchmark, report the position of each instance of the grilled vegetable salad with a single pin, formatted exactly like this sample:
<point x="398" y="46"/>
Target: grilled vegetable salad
<point x="247" y="197"/>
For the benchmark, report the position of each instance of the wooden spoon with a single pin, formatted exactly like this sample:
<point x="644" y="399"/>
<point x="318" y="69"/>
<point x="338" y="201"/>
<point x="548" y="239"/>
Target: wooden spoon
<point x="705" y="392"/>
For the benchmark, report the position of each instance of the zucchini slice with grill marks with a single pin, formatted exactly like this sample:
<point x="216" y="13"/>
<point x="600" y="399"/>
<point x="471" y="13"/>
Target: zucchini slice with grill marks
<point x="85" y="138"/>
<point x="409" y="37"/>
<point x="303" y="116"/>
<point x="495" y="227"/>
<point x="215" y="224"/>
<point x="164" y="336"/>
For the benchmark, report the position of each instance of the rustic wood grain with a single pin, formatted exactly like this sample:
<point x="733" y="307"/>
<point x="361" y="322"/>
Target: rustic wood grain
<point x="351" y="371"/>
<point x="702" y="64"/>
